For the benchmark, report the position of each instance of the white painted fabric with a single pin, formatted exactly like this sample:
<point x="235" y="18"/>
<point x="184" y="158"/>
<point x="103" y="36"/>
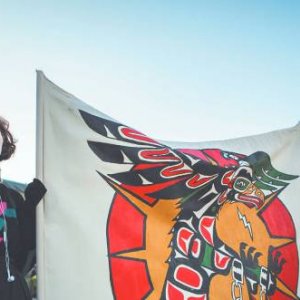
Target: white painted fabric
<point x="73" y="260"/>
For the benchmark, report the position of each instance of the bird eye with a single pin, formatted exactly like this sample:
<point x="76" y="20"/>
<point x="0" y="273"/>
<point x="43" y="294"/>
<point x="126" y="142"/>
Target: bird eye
<point x="241" y="184"/>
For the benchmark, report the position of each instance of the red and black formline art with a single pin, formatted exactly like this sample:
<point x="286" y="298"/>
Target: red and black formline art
<point x="194" y="224"/>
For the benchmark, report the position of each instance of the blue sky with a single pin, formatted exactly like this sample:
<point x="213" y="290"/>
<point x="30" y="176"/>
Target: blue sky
<point x="176" y="70"/>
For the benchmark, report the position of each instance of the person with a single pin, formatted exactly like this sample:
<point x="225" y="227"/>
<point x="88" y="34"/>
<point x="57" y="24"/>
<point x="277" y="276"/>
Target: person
<point x="17" y="226"/>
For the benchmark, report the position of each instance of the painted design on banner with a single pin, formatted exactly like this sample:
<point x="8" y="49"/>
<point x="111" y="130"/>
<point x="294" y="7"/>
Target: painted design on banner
<point x="188" y="224"/>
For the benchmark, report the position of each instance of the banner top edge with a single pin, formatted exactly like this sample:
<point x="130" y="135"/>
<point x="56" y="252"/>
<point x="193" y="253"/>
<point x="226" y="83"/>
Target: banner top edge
<point x="41" y="75"/>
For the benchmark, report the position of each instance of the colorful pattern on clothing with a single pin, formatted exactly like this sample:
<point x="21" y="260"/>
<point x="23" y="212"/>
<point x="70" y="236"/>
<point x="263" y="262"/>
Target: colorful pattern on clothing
<point x="8" y="213"/>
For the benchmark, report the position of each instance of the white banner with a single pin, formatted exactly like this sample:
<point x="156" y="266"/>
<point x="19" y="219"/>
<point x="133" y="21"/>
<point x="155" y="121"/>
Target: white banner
<point x="129" y="218"/>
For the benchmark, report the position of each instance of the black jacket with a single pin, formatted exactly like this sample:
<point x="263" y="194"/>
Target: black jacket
<point x="19" y="216"/>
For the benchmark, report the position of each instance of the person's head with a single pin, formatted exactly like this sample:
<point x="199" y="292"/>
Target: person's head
<point x="7" y="142"/>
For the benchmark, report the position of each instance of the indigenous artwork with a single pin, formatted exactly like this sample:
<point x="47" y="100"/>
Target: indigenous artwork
<point x="128" y="217"/>
<point x="194" y="224"/>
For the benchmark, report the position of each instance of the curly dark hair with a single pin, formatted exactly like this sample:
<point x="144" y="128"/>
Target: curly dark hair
<point x="9" y="146"/>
